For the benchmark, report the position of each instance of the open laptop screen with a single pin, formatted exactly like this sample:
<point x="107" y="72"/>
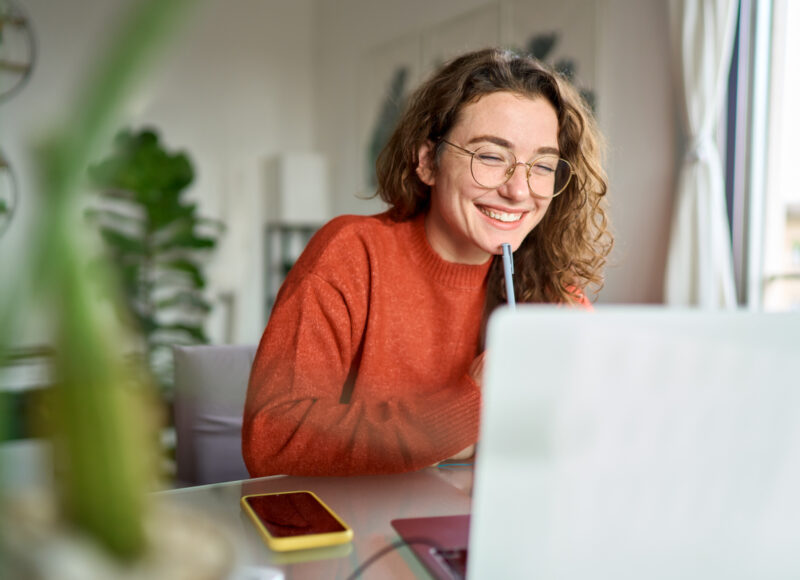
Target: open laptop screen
<point x="638" y="443"/>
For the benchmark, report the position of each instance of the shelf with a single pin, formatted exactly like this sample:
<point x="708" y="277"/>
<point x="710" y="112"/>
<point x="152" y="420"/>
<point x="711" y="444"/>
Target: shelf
<point x="283" y="244"/>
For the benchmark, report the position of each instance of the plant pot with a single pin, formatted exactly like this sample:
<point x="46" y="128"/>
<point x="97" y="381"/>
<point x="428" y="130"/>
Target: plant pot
<point x="181" y="544"/>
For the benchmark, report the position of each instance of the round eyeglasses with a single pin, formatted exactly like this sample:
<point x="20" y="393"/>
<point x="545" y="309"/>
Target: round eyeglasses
<point x="493" y="165"/>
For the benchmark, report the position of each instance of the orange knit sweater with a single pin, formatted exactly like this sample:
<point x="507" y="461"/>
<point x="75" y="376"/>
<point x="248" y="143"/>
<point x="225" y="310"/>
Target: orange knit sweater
<point x="363" y="365"/>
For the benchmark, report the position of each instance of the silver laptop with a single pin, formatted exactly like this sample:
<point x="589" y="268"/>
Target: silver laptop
<point x="638" y="443"/>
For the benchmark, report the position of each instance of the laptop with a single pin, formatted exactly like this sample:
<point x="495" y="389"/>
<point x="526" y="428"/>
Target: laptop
<point x="633" y="442"/>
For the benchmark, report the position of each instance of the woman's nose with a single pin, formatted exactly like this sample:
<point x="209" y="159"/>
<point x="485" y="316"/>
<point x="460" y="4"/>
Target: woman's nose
<point x="516" y="187"/>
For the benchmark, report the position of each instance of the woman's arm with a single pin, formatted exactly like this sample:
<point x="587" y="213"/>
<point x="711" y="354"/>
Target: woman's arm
<point x="295" y="419"/>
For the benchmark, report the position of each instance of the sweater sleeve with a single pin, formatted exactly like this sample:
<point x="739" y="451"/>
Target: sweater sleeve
<point x="296" y="421"/>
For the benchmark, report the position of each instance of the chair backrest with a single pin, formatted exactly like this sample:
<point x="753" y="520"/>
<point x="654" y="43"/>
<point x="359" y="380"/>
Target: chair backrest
<point x="210" y="390"/>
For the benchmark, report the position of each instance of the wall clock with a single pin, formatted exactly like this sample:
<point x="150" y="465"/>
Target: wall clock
<point x="17" y="49"/>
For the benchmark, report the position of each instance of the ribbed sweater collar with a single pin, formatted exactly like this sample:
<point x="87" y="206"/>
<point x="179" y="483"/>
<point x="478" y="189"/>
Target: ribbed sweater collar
<point x="448" y="273"/>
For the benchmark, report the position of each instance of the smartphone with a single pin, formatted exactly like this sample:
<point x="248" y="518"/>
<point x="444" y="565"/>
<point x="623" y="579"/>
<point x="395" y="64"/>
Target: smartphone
<point x="295" y="520"/>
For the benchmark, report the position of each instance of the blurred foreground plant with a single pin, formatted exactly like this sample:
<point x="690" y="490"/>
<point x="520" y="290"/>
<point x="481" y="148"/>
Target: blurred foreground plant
<point x="100" y="419"/>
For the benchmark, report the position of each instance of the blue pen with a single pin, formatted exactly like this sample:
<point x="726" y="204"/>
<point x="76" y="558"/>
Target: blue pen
<point x="508" y="270"/>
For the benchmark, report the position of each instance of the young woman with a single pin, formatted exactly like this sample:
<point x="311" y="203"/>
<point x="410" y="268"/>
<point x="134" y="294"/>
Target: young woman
<point x="371" y="361"/>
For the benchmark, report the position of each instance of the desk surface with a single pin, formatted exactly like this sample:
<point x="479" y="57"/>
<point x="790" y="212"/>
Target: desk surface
<point x="366" y="503"/>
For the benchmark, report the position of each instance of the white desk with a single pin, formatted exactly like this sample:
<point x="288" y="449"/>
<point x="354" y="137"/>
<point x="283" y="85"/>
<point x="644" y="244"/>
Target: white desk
<point x="366" y="503"/>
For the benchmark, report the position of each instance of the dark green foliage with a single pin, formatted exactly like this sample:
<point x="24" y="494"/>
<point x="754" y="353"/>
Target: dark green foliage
<point x="392" y="108"/>
<point x="157" y="241"/>
<point x="541" y="45"/>
<point x="566" y="68"/>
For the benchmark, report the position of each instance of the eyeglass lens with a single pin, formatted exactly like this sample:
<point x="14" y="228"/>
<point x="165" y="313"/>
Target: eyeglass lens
<point x="493" y="165"/>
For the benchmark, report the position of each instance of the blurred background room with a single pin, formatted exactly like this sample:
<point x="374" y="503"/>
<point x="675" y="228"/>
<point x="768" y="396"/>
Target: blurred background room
<point x="261" y="119"/>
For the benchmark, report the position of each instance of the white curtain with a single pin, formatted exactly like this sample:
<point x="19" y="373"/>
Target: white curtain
<point x="699" y="263"/>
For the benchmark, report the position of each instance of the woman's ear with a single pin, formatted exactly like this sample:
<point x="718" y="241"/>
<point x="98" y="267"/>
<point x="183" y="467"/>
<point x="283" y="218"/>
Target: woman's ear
<point x="426" y="166"/>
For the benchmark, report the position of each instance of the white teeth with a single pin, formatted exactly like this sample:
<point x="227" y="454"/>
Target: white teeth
<point x="501" y="216"/>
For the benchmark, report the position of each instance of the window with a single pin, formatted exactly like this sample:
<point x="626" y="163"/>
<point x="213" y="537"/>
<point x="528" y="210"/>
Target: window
<point x="781" y="263"/>
<point x="763" y="124"/>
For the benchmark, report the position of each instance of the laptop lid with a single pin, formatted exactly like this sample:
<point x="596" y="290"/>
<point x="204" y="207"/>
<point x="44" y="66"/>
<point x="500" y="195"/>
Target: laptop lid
<point x="439" y="542"/>
<point x="638" y="443"/>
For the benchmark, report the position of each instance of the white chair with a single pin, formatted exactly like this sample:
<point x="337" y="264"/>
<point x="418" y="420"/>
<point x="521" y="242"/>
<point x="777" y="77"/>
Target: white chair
<point x="210" y="390"/>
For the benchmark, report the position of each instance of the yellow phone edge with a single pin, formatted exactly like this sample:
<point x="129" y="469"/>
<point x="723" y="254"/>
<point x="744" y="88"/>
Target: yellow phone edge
<point x="298" y="542"/>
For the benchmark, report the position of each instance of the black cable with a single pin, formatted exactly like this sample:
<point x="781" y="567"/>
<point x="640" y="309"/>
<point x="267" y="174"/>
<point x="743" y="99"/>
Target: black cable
<point x="390" y="548"/>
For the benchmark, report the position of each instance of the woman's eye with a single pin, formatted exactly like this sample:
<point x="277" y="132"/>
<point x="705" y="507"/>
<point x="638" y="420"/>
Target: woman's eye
<point x="493" y="158"/>
<point x="543" y="168"/>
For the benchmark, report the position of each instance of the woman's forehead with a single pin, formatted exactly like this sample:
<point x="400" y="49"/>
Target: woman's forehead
<point x="514" y="119"/>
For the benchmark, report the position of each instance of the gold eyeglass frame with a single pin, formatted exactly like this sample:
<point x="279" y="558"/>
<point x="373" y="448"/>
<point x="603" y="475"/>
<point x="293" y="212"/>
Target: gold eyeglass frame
<point x="513" y="167"/>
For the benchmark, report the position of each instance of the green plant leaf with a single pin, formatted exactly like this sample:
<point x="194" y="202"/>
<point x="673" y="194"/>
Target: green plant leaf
<point x="185" y="267"/>
<point x="177" y="226"/>
<point x="182" y="234"/>
<point x="168" y="216"/>
<point x="122" y="243"/>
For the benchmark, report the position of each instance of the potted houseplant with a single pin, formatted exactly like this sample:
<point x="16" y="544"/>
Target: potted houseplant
<point x="157" y="242"/>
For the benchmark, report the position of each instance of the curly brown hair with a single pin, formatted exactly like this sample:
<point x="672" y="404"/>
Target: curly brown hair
<point x="565" y="253"/>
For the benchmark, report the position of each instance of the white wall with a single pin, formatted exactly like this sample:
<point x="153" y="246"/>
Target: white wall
<point x="237" y="91"/>
<point x="347" y="32"/>
<point x="234" y="88"/>
<point x="67" y="35"/>
<point x="249" y="78"/>
<point x="637" y="112"/>
<point x="634" y="90"/>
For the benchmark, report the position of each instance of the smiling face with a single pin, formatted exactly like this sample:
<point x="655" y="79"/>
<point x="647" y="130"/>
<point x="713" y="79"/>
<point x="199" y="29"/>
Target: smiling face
<point x="467" y="223"/>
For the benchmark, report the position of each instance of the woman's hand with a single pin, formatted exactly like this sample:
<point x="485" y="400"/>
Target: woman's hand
<point x="463" y="454"/>
<point x="476" y="369"/>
